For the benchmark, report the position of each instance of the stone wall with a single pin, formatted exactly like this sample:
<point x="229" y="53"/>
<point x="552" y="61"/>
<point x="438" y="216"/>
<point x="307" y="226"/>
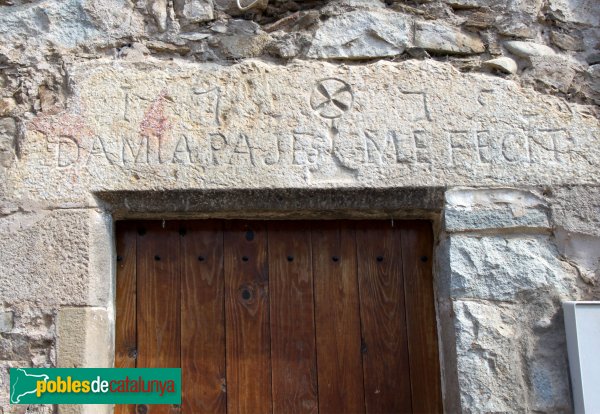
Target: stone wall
<point x="508" y="261"/>
<point x="481" y="115"/>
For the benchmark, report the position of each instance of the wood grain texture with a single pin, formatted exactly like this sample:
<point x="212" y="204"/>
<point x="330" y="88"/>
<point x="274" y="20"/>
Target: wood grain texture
<point x="385" y="347"/>
<point x="202" y="318"/>
<point x="337" y="319"/>
<point x="293" y="350"/>
<point x="158" y="302"/>
<point x="125" y="332"/>
<point x="417" y="250"/>
<point x="247" y="318"/>
<point x="282" y="317"/>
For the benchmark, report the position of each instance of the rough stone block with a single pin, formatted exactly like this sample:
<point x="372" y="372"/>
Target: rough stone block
<point x="6" y="321"/>
<point x="486" y="209"/>
<point x="28" y="32"/>
<point x="506" y="269"/>
<point x="194" y="11"/>
<point x="583" y="251"/>
<point x="503" y="64"/>
<point x="577" y="209"/>
<point x="240" y="46"/>
<point x="172" y="125"/>
<point x="362" y="34"/>
<point x="8" y="132"/>
<point x="490" y="370"/>
<point x="84" y="338"/>
<point x="437" y="38"/>
<point x="7" y="105"/>
<point x="512" y="357"/>
<point x="528" y="49"/>
<point x="576" y="11"/>
<point x="555" y="71"/>
<point x="60" y="257"/>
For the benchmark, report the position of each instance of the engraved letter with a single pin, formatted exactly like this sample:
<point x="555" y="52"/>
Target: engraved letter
<point x="515" y="147"/>
<point x="209" y="104"/>
<point x="308" y="148"/>
<point x="68" y="151"/>
<point x="378" y="153"/>
<point x="98" y="150"/>
<point x="242" y="150"/>
<point x="550" y="145"/>
<point x="483" y="147"/>
<point x="422" y="150"/>
<point x="218" y="143"/>
<point x="458" y="143"/>
<point x="182" y="153"/>
<point x="139" y="156"/>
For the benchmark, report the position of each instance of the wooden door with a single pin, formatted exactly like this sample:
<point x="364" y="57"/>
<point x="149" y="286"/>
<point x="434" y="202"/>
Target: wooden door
<point x="281" y="316"/>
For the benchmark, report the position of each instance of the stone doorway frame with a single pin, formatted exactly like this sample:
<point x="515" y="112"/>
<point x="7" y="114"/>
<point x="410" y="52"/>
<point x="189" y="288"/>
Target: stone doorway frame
<point x="86" y="335"/>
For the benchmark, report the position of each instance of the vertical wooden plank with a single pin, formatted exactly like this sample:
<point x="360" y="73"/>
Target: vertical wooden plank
<point x="202" y="318"/>
<point x="158" y="305"/>
<point x="417" y="250"/>
<point x="385" y="347"/>
<point x="337" y="318"/>
<point x="125" y="332"/>
<point x="293" y="351"/>
<point x="247" y="329"/>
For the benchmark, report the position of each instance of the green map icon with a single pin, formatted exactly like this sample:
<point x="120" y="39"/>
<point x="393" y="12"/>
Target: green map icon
<point x="23" y="383"/>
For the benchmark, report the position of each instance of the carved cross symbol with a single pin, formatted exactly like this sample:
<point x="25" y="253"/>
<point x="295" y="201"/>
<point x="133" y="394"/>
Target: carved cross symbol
<point x="331" y="98"/>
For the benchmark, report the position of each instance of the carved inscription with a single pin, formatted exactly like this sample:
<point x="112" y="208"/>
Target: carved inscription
<point x="318" y="150"/>
<point x="208" y="104"/>
<point x="331" y="98"/>
<point x="331" y="147"/>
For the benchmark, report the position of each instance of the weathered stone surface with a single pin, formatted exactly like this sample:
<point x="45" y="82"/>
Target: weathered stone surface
<point x="583" y="251"/>
<point x="576" y="11"/>
<point x="6" y="106"/>
<point x="489" y="358"/>
<point x="84" y="339"/>
<point x="7" y="321"/>
<point x="511" y="350"/>
<point x="507" y="268"/>
<point x="442" y="39"/>
<point x="504" y="64"/>
<point x="83" y="336"/>
<point x="567" y="41"/>
<point x="158" y="9"/>
<point x="555" y="71"/>
<point x="174" y="126"/>
<point x="8" y="133"/>
<point x="41" y="246"/>
<point x="547" y="366"/>
<point x="593" y="59"/>
<point x="27" y="32"/>
<point x="521" y="28"/>
<point x="593" y="77"/>
<point x="194" y="11"/>
<point x="576" y="209"/>
<point x="362" y="34"/>
<point x="528" y="49"/>
<point x="484" y="209"/>
<point x="240" y="46"/>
